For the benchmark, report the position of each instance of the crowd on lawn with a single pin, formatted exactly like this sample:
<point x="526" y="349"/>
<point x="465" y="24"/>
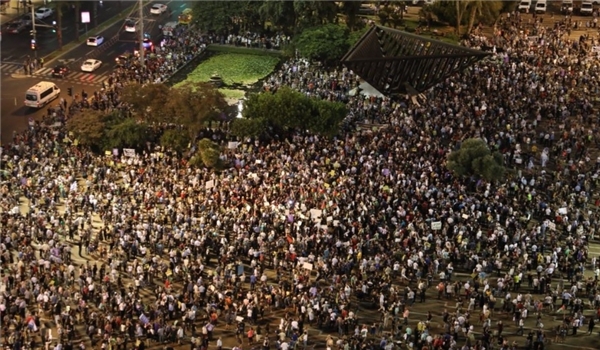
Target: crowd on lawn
<point x="313" y="226"/>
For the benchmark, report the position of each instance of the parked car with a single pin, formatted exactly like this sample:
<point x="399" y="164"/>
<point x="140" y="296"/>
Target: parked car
<point x="95" y="40"/>
<point x="43" y="12"/>
<point x="131" y="25"/>
<point x="15" y="27"/>
<point x="158" y="9"/>
<point x="90" y="65"/>
<point x="60" y="71"/>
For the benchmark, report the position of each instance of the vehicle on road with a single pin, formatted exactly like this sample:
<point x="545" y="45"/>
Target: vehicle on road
<point x="123" y="59"/>
<point x="60" y="71"/>
<point x="15" y="27"/>
<point x="27" y="19"/>
<point x="567" y="7"/>
<point x="185" y="17"/>
<point x="158" y="9"/>
<point x="41" y="94"/>
<point x="131" y="25"/>
<point x="587" y="8"/>
<point x="524" y="6"/>
<point x="169" y="28"/>
<point x="95" y="40"/>
<point x="540" y="7"/>
<point x="90" y="65"/>
<point x="43" y="12"/>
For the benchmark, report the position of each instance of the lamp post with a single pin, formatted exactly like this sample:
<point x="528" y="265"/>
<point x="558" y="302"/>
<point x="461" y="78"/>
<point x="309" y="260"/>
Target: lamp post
<point x="141" y="2"/>
<point x="33" y="33"/>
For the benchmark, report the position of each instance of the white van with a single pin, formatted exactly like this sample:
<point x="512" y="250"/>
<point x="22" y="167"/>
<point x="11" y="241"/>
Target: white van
<point x="540" y="7"/>
<point x="524" y="6"/>
<point x="41" y="94"/>
<point x="587" y="8"/>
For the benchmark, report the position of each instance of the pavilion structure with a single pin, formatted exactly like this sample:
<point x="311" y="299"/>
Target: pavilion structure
<point x="399" y="63"/>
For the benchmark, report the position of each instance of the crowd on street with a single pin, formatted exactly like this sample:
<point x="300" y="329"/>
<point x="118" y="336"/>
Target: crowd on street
<point x="144" y="250"/>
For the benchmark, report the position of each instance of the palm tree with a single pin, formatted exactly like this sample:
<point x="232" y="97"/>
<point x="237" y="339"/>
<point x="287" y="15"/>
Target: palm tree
<point x="461" y="7"/>
<point x="488" y="11"/>
<point x="350" y="11"/>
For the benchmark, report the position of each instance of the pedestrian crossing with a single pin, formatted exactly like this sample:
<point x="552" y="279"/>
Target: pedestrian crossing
<point x="76" y="77"/>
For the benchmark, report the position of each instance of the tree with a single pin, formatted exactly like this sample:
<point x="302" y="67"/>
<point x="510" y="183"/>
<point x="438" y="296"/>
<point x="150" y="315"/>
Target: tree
<point x="128" y="133"/>
<point x="175" y="139"/>
<point x="193" y="104"/>
<point x="243" y="127"/>
<point x="289" y="109"/>
<point x="151" y="102"/>
<point x="311" y="13"/>
<point x="214" y="15"/>
<point x="326" y="43"/>
<point x="329" y="116"/>
<point x="209" y="152"/>
<point x="474" y="158"/>
<point x="485" y="11"/>
<point x="88" y="128"/>
<point x="279" y="13"/>
<point x="350" y="11"/>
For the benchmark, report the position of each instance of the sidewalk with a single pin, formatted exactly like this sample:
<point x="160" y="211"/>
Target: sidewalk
<point x="12" y="9"/>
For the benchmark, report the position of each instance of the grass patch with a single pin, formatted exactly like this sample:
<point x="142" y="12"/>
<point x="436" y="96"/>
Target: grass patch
<point x="233" y="94"/>
<point x="234" y="68"/>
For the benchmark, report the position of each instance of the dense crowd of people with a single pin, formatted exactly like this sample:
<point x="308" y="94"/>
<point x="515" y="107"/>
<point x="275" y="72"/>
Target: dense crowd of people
<point x="313" y="226"/>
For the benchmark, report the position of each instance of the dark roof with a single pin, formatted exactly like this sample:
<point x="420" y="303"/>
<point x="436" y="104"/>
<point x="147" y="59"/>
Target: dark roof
<point x="397" y="62"/>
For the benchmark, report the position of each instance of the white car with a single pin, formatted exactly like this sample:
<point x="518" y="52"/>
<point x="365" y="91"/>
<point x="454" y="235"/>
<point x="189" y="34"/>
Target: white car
<point x="158" y="9"/>
<point x="95" y="40"/>
<point x="131" y="25"/>
<point x="43" y="12"/>
<point x="90" y="65"/>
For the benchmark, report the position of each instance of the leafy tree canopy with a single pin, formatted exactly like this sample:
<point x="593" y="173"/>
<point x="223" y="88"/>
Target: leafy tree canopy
<point x="289" y="109"/>
<point x="474" y="158"/>
<point x="325" y="43"/>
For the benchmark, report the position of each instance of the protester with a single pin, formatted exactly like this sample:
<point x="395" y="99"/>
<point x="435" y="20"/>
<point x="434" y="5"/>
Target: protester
<point x="307" y="225"/>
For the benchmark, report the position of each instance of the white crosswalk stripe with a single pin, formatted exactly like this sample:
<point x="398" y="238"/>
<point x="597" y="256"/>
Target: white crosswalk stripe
<point x="44" y="71"/>
<point x="8" y="68"/>
<point x="78" y="77"/>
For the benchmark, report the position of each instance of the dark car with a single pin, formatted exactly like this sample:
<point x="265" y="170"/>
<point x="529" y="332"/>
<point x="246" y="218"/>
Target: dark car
<point x="122" y="60"/>
<point x="60" y="71"/>
<point x="15" y="27"/>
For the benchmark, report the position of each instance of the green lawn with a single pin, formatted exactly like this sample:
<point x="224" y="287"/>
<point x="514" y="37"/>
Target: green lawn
<point x="233" y="94"/>
<point x="234" y="68"/>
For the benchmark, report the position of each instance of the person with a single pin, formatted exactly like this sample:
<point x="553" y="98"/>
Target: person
<point x="591" y="325"/>
<point x="219" y="344"/>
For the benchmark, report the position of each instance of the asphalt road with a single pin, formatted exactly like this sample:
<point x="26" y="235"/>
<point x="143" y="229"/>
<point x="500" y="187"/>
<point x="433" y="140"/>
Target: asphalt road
<point x="15" y="116"/>
<point x="15" y="47"/>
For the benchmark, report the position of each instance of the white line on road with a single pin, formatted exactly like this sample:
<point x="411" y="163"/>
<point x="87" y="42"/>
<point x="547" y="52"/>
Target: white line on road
<point x="182" y="6"/>
<point x="6" y="59"/>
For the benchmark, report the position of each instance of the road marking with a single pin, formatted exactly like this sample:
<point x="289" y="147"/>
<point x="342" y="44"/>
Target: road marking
<point x="6" y="62"/>
<point x="65" y="28"/>
<point x="110" y="53"/>
<point x="182" y="6"/>
<point x="4" y="59"/>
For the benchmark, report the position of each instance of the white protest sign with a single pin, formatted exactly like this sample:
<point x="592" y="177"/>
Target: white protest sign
<point x="552" y="226"/>
<point x="308" y="266"/>
<point x="128" y="152"/>
<point x="316" y="214"/>
<point x="436" y="225"/>
<point x="562" y="211"/>
<point x="232" y="145"/>
<point x="210" y="184"/>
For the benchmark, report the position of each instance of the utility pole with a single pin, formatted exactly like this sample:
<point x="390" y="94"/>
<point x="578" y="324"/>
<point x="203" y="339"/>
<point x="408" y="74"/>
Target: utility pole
<point x="141" y="32"/>
<point x="33" y="33"/>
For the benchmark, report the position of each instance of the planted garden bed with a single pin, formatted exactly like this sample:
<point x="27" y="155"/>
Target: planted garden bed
<point x="234" y="69"/>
